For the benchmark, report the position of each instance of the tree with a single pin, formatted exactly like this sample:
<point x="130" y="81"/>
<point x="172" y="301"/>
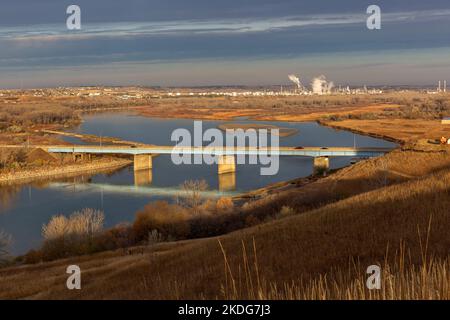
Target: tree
<point x="191" y="195"/>
<point x="4" y="242"/>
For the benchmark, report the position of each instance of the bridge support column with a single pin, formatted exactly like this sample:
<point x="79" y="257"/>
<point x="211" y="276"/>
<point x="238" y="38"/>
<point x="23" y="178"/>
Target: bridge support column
<point x="227" y="164"/>
<point x="143" y="162"/>
<point x="321" y="165"/>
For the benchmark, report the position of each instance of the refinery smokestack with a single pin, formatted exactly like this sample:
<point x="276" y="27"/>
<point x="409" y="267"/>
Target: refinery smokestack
<point x="296" y="81"/>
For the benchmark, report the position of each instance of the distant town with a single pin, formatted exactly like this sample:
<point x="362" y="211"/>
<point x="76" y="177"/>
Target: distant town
<point x="11" y="96"/>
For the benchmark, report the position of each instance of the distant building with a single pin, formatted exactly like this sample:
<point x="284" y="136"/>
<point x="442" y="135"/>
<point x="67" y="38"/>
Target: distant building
<point x="446" y="120"/>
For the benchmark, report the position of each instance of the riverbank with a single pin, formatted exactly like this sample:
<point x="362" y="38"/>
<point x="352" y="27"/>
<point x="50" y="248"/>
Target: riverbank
<point x="26" y="176"/>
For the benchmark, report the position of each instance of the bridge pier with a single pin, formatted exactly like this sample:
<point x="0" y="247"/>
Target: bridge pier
<point x="321" y="165"/>
<point x="227" y="164"/>
<point x="143" y="162"/>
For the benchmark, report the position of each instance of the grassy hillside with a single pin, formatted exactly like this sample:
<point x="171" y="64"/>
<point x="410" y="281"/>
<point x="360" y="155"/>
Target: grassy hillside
<point x="399" y="220"/>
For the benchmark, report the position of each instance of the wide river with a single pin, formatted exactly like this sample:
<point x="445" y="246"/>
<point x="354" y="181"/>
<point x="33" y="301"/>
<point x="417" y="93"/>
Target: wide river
<point x="24" y="209"/>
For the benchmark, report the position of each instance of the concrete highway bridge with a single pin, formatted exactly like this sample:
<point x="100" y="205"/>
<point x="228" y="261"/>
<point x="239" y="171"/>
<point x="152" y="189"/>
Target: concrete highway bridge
<point x="226" y="156"/>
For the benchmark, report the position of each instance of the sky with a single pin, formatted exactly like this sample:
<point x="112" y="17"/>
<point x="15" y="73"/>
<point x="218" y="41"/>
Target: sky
<point x="233" y="42"/>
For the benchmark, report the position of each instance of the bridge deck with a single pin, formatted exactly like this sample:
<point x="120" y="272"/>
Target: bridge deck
<point x="282" y="151"/>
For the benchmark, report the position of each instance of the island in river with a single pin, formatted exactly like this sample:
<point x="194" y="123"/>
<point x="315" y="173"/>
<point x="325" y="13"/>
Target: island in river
<point x="282" y="132"/>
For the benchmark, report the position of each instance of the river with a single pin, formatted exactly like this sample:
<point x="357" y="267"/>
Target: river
<point x="24" y="209"/>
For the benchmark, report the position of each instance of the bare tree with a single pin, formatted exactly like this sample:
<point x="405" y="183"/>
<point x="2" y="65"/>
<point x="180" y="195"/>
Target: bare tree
<point x="4" y="242"/>
<point x="86" y="222"/>
<point x="191" y="194"/>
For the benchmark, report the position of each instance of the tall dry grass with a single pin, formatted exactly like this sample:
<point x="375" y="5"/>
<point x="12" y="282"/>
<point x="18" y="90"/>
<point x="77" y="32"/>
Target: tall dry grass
<point x="403" y="280"/>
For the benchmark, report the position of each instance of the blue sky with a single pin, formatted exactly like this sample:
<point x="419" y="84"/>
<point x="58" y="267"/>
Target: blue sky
<point x="199" y="42"/>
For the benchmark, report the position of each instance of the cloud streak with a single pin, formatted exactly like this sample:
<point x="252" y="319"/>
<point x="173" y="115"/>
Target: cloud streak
<point x="53" y="32"/>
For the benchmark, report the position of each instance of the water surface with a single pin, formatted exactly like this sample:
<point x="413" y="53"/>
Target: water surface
<point x="24" y="209"/>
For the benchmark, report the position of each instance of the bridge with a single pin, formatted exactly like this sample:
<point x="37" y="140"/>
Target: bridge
<point x="226" y="155"/>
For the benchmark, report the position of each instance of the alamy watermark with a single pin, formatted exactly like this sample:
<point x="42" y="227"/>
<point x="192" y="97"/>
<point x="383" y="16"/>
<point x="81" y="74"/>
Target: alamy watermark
<point x="374" y="20"/>
<point x="73" y="21"/>
<point x="374" y="280"/>
<point x="74" y="280"/>
<point x="248" y="146"/>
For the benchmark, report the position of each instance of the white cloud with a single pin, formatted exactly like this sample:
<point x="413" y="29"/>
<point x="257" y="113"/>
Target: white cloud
<point x="229" y="26"/>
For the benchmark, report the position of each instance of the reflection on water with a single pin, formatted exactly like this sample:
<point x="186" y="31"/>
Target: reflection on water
<point x="143" y="177"/>
<point x="134" y="190"/>
<point x="8" y="195"/>
<point x="227" y="181"/>
<point x="120" y="193"/>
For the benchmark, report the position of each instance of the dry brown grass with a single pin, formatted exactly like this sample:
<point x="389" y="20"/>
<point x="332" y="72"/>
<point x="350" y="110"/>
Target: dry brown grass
<point x="394" y="168"/>
<point x="404" y="130"/>
<point x="392" y="105"/>
<point x="399" y="281"/>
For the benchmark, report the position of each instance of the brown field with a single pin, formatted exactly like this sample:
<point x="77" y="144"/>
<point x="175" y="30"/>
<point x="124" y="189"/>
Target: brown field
<point x="402" y="130"/>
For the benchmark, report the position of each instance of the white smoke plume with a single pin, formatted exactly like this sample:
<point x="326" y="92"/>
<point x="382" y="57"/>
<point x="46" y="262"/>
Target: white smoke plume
<point x="320" y="85"/>
<point x="295" y="80"/>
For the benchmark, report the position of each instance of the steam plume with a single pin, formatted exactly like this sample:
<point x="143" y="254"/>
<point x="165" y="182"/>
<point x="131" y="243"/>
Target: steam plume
<point x="295" y="80"/>
<point x="320" y="85"/>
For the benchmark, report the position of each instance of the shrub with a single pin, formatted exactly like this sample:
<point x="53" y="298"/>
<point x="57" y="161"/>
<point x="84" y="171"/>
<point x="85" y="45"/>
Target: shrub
<point x="118" y="237"/>
<point x="154" y="237"/>
<point x="4" y="242"/>
<point x="33" y="256"/>
<point x="225" y="205"/>
<point x="83" y="223"/>
<point x="286" y="212"/>
<point x="170" y="220"/>
<point x="72" y="236"/>
<point x="57" y="227"/>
